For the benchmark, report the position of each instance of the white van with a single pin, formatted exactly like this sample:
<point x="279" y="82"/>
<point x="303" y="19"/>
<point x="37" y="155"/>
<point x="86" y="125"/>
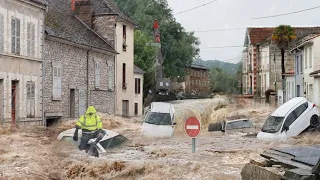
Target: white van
<point x="290" y="119"/>
<point x="159" y="120"/>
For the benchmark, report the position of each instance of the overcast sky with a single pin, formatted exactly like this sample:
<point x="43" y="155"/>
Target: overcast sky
<point x="226" y="14"/>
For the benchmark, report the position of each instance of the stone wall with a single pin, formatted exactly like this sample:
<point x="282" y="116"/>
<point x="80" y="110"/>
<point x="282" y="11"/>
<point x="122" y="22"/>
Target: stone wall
<point x="105" y="26"/>
<point x="74" y="76"/>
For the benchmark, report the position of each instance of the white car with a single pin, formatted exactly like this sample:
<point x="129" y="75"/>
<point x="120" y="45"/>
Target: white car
<point x="290" y="119"/>
<point x="159" y="120"/>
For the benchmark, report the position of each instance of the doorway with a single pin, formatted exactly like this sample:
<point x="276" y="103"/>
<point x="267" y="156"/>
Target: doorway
<point x="1" y="101"/>
<point x="136" y="109"/>
<point x="14" y="98"/>
<point x="82" y="103"/>
<point x="72" y="103"/>
<point x="125" y="108"/>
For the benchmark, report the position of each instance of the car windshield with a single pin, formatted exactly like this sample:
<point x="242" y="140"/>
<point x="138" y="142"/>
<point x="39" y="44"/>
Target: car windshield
<point x="157" y="118"/>
<point x="239" y="124"/>
<point x="272" y="124"/>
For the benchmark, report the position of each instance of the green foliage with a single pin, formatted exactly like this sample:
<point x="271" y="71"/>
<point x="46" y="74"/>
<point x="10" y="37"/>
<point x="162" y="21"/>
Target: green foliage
<point x="222" y="81"/>
<point x="283" y="35"/>
<point x="225" y="66"/>
<point x="179" y="47"/>
<point x="144" y="57"/>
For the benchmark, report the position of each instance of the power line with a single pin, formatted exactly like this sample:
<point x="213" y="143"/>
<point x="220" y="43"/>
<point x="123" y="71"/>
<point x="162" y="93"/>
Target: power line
<point x="195" y="7"/>
<point x="231" y="29"/>
<point x="287" y="13"/>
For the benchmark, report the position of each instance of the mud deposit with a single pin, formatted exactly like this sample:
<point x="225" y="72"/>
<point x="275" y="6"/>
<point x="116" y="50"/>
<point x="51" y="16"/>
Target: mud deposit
<point x="35" y="154"/>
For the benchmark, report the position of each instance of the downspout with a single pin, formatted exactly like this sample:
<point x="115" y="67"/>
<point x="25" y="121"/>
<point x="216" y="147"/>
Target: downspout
<point x="258" y="74"/>
<point x="44" y="123"/>
<point x="88" y="76"/>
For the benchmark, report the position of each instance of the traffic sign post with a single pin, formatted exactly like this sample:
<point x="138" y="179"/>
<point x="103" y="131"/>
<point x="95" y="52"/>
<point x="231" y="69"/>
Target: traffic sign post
<point x="193" y="127"/>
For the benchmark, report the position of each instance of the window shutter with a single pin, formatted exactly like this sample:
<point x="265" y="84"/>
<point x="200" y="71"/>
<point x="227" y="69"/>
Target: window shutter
<point x="28" y="39"/>
<point x="33" y="36"/>
<point x="111" y="78"/>
<point x="18" y="36"/>
<point x="55" y="84"/>
<point x="28" y="100"/>
<point x="59" y="83"/>
<point x="1" y="33"/>
<point x="32" y="100"/>
<point x="97" y="74"/>
<point x="13" y="35"/>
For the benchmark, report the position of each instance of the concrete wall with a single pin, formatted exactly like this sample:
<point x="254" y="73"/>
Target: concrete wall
<point x="73" y="61"/>
<point x="126" y="57"/>
<point x="22" y="67"/>
<point x="290" y="87"/>
<point x="308" y="68"/>
<point x="138" y="98"/>
<point x="264" y="74"/>
<point x="299" y="69"/>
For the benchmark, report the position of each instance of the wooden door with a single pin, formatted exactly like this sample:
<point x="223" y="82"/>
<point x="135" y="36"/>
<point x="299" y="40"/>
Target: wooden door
<point x="13" y="104"/>
<point x="72" y="103"/>
<point x="82" y="103"/>
<point x="125" y="108"/>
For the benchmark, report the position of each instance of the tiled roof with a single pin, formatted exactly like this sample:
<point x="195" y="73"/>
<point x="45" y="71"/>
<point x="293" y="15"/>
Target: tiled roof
<point x="61" y="22"/>
<point x="257" y="35"/>
<point x="109" y="7"/>
<point x="42" y="2"/>
<point x="138" y="70"/>
<point x="196" y="66"/>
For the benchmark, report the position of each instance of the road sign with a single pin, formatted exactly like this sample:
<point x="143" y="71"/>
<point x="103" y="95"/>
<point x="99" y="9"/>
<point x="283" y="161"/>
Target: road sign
<point x="192" y="127"/>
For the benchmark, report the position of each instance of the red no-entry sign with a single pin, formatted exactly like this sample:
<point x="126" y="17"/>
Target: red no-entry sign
<point x="192" y="127"/>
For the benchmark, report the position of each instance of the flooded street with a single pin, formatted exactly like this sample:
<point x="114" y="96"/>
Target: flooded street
<point x="37" y="155"/>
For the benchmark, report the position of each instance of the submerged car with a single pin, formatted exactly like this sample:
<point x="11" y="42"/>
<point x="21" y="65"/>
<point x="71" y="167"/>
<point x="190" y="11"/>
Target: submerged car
<point x="110" y="140"/>
<point x="234" y="125"/>
<point x="290" y="119"/>
<point x="159" y="120"/>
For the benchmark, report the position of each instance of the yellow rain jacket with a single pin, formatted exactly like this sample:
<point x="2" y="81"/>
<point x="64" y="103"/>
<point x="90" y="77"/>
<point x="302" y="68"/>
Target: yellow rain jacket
<point x="88" y="122"/>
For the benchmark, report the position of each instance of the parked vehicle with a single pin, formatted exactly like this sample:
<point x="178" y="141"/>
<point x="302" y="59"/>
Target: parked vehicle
<point x="159" y="120"/>
<point x="290" y="119"/>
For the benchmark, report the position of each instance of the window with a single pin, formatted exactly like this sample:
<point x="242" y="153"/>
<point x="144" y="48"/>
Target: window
<point x="31" y="39"/>
<point x="290" y="119"/>
<point x="297" y="64"/>
<point x="310" y="57"/>
<point x="30" y="108"/>
<point x="301" y="109"/>
<point x="124" y="35"/>
<point x="56" y="83"/>
<point x="97" y="71"/>
<point x="124" y="84"/>
<point x="135" y="108"/>
<point x="306" y="58"/>
<point x="1" y="32"/>
<point x="295" y="114"/>
<point x="15" y="36"/>
<point x="137" y="86"/>
<point x="301" y="63"/>
<point x="111" y="78"/>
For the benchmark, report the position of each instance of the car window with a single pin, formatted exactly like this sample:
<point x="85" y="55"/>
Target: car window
<point x="239" y="125"/>
<point x="301" y="109"/>
<point x="290" y="119"/>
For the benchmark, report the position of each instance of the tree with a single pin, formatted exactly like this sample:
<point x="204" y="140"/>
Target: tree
<point x="144" y="57"/>
<point x="283" y="35"/>
<point x="178" y="47"/>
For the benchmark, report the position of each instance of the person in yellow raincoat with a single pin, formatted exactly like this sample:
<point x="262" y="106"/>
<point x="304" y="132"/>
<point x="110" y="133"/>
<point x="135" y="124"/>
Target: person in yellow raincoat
<point x="91" y="127"/>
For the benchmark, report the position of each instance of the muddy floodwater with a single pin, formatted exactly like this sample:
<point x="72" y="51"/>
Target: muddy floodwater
<point x="35" y="154"/>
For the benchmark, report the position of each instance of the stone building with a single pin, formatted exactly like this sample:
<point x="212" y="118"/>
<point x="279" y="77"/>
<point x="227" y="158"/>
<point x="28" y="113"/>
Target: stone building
<point x="21" y="48"/>
<point x="79" y="64"/>
<point x="197" y="80"/>
<point x="118" y="30"/>
<point x="138" y="91"/>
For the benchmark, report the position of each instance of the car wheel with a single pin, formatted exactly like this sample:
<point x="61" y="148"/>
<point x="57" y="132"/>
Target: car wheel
<point x="215" y="127"/>
<point x="314" y="121"/>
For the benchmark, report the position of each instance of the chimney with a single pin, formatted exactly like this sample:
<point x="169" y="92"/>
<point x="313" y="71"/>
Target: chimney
<point x="83" y="11"/>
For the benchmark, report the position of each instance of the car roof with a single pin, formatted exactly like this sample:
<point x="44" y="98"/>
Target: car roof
<point x="236" y="120"/>
<point x="161" y="107"/>
<point x="287" y="106"/>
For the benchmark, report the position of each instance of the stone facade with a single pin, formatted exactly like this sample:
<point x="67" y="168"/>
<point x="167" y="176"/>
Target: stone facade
<point x="74" y="61"/>
<point x="197" y="80"/>
<point x="21" y="62"/>
<point x="106" y="27"/>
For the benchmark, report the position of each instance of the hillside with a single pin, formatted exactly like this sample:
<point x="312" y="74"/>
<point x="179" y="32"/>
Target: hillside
<point x="225" y="66"/>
